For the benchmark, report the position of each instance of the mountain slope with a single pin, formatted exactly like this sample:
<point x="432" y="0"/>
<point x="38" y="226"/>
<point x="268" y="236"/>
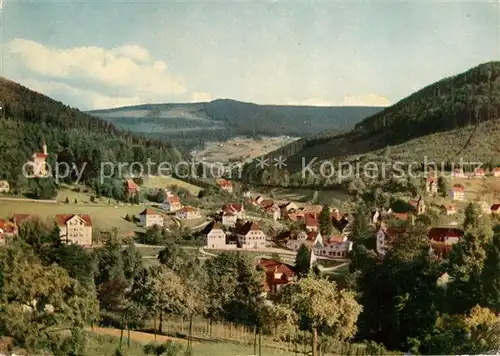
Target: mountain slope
<point x="29" y="118"/>
<point x="193" y="124"/>
<point x="456" y="103"/>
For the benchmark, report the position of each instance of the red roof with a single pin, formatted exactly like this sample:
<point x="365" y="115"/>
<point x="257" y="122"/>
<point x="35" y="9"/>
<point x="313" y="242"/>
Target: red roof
<point x="224" y="183"/>
<point x="335" y="240"/>
<point x="188" y="209"/>
<point x="149" y="212"/>
<point x="19" y="218"/>
<point x="61" y="219"/>
<point x="441" y="233"/>
<point x="266" y="202"/>
<point x="497" y="169"/>
<point x="310" y="220"/>
<point x="247" y="227"/>
<point x="131" y="185"/>
<point x="458" y="188"/>
<point x="231" y="207"/>
<point x="40" y="155"/>
<point x="7" y="227"/>
<point x="480" y="171"/>
<point x="495" y="207"/>
<point x="311" y="236"/>
<point x="173" y="199"/>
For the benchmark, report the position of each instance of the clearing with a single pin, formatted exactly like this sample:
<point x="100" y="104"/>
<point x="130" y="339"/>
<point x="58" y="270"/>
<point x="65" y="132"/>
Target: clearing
<point x="240" y="149"/>
<point x="155" y="182"/>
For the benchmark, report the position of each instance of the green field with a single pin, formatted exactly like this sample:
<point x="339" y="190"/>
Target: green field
<point x="165" y="182"/>
<point x="103" y="216"/>
<point x="333" y="197"/>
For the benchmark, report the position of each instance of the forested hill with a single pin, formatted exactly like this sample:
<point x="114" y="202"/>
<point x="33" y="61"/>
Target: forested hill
<point x="30" y="118"/>
<point x="465" y="99"/>
<point x="192" y="124"/>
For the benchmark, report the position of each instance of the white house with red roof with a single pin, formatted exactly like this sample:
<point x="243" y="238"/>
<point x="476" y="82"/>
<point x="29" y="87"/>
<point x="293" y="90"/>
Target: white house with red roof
<point x="311" y="239"/>
<point x="215" y="236"/>
<point x="229" y="218"/>
<point x="277" y="274"/>
<point x="458" y="173"/>
<point x="479" y="173"/>
<point x="7" y="229"/>
<point x="250" y="235"/>
<point x="385" y="236"/>
<point x="431" y="186"/>
<point x="225" y="184"/>
<point x="188" y="213"/>
<point x="75" y="228"/>
<point x="457" y="192"/>
<point x="273" y="211"/>
<point x="496" y="172"/>
<point x="171" y="203"/>
<point x="234" y="208"/>
<point x="131" y="188"/>
<point x="335" y="246"/>
<point x="311" y="222"/>
<point x="443" y="238"/>
<point x="150" y="217"/>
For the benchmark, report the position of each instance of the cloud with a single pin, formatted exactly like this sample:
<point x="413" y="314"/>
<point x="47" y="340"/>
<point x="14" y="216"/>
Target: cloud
<point x="87" y="99"/>
<point x="128" y="71"/>
<point x="200" y="97"/>
<point x="310" y="102"/>
<point x="366" y="100"/>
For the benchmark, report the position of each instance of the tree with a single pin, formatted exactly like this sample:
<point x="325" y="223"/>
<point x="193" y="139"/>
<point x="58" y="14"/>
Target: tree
<point x="442" y="186"/>
<point x="171" y="256"/>
<point x="325" y="221"/>
<point x="472" y="213"/>
<point x="132" y="261"/>
<point x="302" y="261"/>
<point x="361" y="228"/>
<point x="491" y="275"/>
<point x="38" y="302"/>
<point x="321" y="307"/>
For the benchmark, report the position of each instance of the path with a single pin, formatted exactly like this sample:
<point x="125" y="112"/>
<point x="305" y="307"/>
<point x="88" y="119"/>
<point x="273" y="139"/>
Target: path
<point x="137" y="336"/>
<point x="332" y="269"/>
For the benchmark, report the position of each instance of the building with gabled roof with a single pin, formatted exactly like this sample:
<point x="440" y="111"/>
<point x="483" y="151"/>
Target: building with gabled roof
<point x="225" y="184"/>
<point x="457" y="192"/>
<point x="149" y="217"/>
<point x="496" y="172"/>
<point x="250" y="235"/>
<point x="277" y="274"/>
<point x="215" y="236"/>
<point x="385" y="236"/>
<point x="171" y="203"/>
<point x="311" y="222"/>
<point x="75" y="228"/>
<point x="131" y="188"/>
<point x="188" y="213"/>
<point x="443" y="238"/>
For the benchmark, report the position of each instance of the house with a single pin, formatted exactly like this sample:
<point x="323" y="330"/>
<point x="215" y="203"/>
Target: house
<point x="250" y="235"/>
<point x="225" y="184"/>
<point x="479" y="173"/>
<point x="7" y="229"/>
<point x="39" y="162"/>
<point x="215" y="237"/>
<point x="4" y="186"/>
<point x="131" y="188"/>
<point x="443" y="238"/>
<point x="274" y="211"/>
<point x="418" y="205"/>
<point x="188" y="213"/>
<point x="264" y="203"/>
<point x="150" y="217"/>
<point x="312" y="209"/>
<point x="75" y="228"/>
<point x="495" y="209"/>
<point x="277" y="274"/>
<point x="295" y="239"/>
<point x="431" y="186"/>
<point x="288" y="208"/>
<point x="311" y="222"/>
<point x="496" y="172"/>
<point x="229" y="219"/>
<point x="236" y="209"/>
<point x="171" y="203"/>
<point x="18" y="219"/>
<point x="335" y="246"/>
<point x="457" y="192"/>
<point x="450" y="209"/>
<point x="385" y="236"/>
<point x="458" y="173"/>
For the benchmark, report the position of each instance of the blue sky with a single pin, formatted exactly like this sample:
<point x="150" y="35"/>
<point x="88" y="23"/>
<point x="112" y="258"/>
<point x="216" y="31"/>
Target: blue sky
<point x="99" y="54"/>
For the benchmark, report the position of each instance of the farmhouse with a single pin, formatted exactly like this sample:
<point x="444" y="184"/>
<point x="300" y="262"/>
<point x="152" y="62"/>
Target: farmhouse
<point x="418" y="205"/>
<point x="479" y="173"/>
<point x="75" y="228"/>
<point x="215" y="237"/>
<point x="311" y="222"/>
<point x="7" y="229"/>
<point x="229" y="219"/>
<point x="150" y="217"/>
<point x="273" y="211"/>
<point x="335" y="246"/>
<point x="250" y="235"/>
<point x="131" y="188"/>
<point x="496" y="172"/>
<point x="385" y="236"/>
<point x="443" y="238"/>
<point x="457" y="192"/>
<point x="277" y="274"/>
<point x="458" y="173"/>
<point x="237" y="209"/>
<point x="225" y="184"/>
<point x="450" y="209"/>
<point x="188" y="213"/>
<point x="171" y="203"/>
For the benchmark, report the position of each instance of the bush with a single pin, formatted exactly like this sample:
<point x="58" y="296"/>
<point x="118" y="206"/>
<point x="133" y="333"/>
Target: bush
<point x="168" y="348"/>
<point x="76" y="201"/>
<point x="66" y="200"/>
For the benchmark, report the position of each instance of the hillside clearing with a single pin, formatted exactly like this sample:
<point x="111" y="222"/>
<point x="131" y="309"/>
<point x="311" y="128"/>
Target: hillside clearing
<point x="161" y="182"/>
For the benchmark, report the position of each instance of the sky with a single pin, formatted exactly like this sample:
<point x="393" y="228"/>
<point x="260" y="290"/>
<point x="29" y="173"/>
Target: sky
<point x="95" y="54"/>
